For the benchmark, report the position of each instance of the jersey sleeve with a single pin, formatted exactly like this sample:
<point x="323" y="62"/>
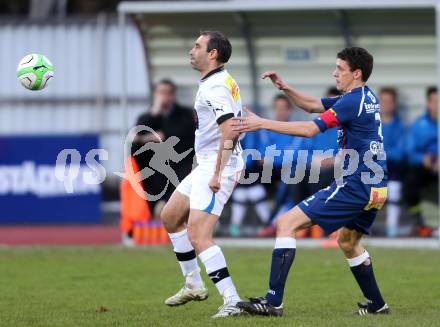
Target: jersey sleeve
<point x="220" y="101"/>
<point x="327" y="103"/>
<point x="341" y="113"/>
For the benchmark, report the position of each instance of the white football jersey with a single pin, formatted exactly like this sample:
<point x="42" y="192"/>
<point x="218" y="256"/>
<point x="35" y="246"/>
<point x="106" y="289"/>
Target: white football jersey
<point x="217" y="100"/>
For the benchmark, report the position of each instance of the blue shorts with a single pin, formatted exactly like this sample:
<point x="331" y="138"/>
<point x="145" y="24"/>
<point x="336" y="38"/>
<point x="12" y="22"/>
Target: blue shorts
<point x="352" y="204"/>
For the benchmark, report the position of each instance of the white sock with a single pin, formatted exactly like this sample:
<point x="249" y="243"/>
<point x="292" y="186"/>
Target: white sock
<point x="393" y="207"/>
<point x="356" y="261"/>
<point x="285" y="243"/>
<point x="215" y="265"/>
<point x="187" y="258"/>
<point x="238" y="207"/>
<point x="393" y="213"/>
<point x="257" y="195"/>
<point x="263" y="211"/>
<point x="237" y="213"/>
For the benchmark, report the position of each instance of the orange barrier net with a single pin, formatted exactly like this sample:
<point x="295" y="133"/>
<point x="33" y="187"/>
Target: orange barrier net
<point x="134" y="207"/>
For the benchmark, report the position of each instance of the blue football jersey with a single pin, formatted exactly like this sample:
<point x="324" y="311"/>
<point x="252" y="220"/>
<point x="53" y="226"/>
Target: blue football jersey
<point x="356" y="114"/>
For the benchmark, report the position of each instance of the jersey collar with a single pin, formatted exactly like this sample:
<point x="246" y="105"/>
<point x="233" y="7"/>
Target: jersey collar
<point x="358" y="89"/>
<point x="212" y="72"/>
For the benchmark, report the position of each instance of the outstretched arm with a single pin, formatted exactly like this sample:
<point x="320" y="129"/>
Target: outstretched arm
<point x="304" y="101"/>
<point x="252" y="122"/>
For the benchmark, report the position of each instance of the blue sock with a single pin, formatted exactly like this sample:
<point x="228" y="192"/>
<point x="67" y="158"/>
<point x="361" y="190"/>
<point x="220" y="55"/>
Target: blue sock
<point x="367" y="282"/>
<point x="282" y="259"/>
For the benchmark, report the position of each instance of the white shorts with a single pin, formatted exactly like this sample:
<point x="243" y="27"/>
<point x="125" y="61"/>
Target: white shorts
<point x="196" y="186"/>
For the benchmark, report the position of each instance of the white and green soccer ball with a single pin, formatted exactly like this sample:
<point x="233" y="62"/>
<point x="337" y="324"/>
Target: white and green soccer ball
<point x="34" y="71"/>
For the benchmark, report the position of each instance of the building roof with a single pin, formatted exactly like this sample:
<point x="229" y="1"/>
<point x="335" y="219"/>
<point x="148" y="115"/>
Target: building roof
<point x="133" y="7"/>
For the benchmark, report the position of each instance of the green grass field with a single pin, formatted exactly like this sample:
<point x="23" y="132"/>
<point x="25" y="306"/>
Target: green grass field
<point x="111" y="286"/>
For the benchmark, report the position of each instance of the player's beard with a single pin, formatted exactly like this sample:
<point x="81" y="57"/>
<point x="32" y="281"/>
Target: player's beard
<point x="200" y="65"/>
<point x="195" y="64"/>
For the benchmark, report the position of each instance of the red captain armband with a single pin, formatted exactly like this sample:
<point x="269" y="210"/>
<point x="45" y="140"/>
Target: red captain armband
<point x="329" y="119"/>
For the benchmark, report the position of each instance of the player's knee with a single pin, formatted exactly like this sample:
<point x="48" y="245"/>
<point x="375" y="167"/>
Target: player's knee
<point x="167" y="220"/>
<point x="285" y="226"/>
<point x="346" y="245"/>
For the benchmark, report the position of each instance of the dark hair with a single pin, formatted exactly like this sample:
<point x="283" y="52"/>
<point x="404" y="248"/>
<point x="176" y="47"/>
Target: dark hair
<point x="218" y="41"/>
<point x="389" y="90"/>
<point x="283" y="97"/>
<point x="333" y="91"/>
<point x="430" y="90"/>
<point x="358" y="58"/>
<point x="168" y="82"/>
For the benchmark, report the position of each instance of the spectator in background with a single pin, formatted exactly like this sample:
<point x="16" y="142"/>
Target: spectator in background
<point x="282" y="110"/>
<point x="286" y="196"/>
<point x="253" y="193"/>
<point x="393" y="131"/>
<point x="325" y="142"/>
<point x="422" y="160"/>
<point x="167" y="118"/>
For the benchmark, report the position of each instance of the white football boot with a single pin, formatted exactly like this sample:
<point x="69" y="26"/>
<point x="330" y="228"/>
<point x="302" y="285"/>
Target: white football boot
<point x="188" y="293"/>
<point x="228" y="310"/>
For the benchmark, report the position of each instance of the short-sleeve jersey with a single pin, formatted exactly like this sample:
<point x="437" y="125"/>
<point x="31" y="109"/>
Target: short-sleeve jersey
<point x="357" y="116"/>
<point x="217" y="100"/>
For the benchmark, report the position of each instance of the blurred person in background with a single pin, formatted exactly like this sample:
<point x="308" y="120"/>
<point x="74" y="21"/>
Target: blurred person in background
<point x="167" y="118"/>
<point x="422" y="161"/>
<point x="324" y="142"/>
<point x="393" y="131"/>
<point x="249" y="193"/>
<point x="286" y="195"/>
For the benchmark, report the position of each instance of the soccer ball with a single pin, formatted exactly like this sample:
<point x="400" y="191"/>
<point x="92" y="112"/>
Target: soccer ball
<point x="34" y="71"/>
